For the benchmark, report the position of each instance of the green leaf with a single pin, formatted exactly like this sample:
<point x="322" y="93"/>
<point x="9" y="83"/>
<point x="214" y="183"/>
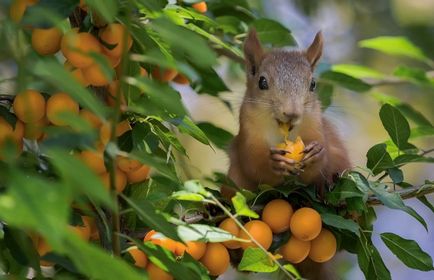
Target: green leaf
<point x="205" y="233"/>
<point x="48" y="13"/>
<point x="218" y="136"/>
<point x="87" y="183"/>
<point x="89" y="259"/>
<point x="241" y="207"/>
<point x="147" y="213"/>
<point x="153" y="5"/>
<point x="393" y="200"/>
<point x="340" y="222"/>
<point x="421" y="131"/>
<point x="344" y="188"/>
<point x="409" y="158"/>
<point x="425" y="201"/>
<point x="195" y="186"/>
<point x="370" y="260"/>
<point x="291" y="268"/>
<point x="396" y="125"/>
<point x="325" y="95"/>
<point x="209" y="82"/>
<point x="394" y="45"/>
<point x="256" y="260"/>
<point x="107" y="9"/>
<point x="186" y="125"/>
<point x="345" y="81"/>
<point x="357" y="71"/>
<point x="187" y="196"/>
<point x="379" y="159"/>
<point x="408" y="251"/>
<point x="415" y="75"/>
<point x="159" y="99"/>
<point x="273" y="33"/>
<point x="396" y="175"/>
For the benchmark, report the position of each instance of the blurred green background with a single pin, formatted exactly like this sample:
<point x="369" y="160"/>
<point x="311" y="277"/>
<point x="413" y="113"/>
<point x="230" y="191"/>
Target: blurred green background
<point x="344" y="23"/>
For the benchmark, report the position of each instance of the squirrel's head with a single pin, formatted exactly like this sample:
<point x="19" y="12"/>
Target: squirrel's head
<point x="281" y="81"/>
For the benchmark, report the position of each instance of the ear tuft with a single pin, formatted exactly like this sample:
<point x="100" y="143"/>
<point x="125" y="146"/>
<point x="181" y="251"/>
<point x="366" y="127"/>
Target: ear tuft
<point x="252" y="52"/>
<point x="314" y="52"/>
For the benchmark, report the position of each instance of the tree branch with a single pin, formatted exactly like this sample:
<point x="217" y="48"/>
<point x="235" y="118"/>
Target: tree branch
<point x="411" y="192"/>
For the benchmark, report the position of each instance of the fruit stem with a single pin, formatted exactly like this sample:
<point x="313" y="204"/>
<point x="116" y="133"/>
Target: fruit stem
<point x="227" y="212"/>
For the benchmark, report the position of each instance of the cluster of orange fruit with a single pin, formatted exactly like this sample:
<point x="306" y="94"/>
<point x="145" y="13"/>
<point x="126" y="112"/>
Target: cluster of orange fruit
<point x="86" y="231"/>
<point x="214" y="256"/>
<point x="308" y="237"/>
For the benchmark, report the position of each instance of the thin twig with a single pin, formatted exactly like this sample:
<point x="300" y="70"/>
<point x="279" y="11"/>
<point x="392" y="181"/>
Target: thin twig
<point x="410" y="192"/>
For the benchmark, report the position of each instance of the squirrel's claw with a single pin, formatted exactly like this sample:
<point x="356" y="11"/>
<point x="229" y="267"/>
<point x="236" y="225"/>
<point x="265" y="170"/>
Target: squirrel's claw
<point x="313" y="152"/>
<point x="283" y="166"/>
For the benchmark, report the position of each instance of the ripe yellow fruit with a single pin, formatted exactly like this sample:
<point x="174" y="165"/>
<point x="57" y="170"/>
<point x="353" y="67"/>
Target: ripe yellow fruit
<point x="277" y="214"/>
<point x="201" y="7"/>
<point x="306" y="224"/>
<point x="43" y="249"/>
<point x="196" y="249"/>
<point x="230" y="226"/>
<point x="59" y="103"/>
<point x="215" y="259"/>
<point x="156" y="273"/>
<point x="162" y="241"/>
<point x="94" y="160"/>
<point x="5" y="129"/>
<point x="77" y="46"/>
<point x="46" y="41"/>
<point x="95" y="75"/>
<point x="140" y="258"/>
<point x="122" y="127"/>
<point x="94" y="234"/>
<point x="165" y="75"/>
<point x="29" y="106"/>
<point x="121" y="180"/>
<point x="83" y="231"/>
<point x="114" y="34"/>
<point x="295" y="149"/>
<point x="295" y="250"/>
<point x="181" y="79"/>
<point x="127" y="165"/>
<point x="260" y="231"/>
<point x="18" y="132"/>
<point x="113" y="91"/>
<point x="139" y="175"/>
<point x="323" y="247"/>
<point x="35" y="130"/>
<point x="91" y="118"/>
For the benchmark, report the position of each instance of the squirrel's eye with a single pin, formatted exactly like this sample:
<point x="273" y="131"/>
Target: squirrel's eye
<point x="263" y="83"/>
<point x="312" y="85"/>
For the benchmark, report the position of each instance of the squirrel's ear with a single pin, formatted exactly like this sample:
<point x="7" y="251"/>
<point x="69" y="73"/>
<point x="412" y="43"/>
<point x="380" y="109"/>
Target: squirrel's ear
<point x="314" y="52"/>
<point x="252" y="52"/>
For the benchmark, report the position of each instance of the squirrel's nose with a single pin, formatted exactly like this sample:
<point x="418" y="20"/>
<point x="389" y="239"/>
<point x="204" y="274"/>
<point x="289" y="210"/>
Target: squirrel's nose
<point x="291" y="117"/>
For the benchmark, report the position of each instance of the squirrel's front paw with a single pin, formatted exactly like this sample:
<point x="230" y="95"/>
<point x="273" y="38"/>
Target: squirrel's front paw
<point x="283" y="166"/>
<point x="312" y="153"/>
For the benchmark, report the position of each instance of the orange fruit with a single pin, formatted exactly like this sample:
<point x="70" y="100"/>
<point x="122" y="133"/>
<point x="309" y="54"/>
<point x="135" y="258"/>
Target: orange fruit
<point x="29" y="106"/>
<point x="140" y="258"/>
<point x="277" y="214"/>
<point x="323" y="247"/>
<point x="95" y="75"/>
<point x="165" y="75"/>
<point x="295" y="149"/>
<point x="201" y="7"/>
<point x="122" y="127"/>
<point x="94" y="234"/>
<point x="196" y="249"/>
<point x="230" y="226"/>
<point x="17" y="10"/>
<point x="43" y="249"/>
<point x="156" y="273"/>
<point x="83" y="231"/>
<point x="149" y="235"/>
<point x="105" y="133"/>
<point x="181" y="79"/>
<point x="160" y="240"/>
<point x="5" y="129"/>
<point x="127" y="165"/>
<point x="46" y="41"/>
<point x="113" y="91"/>
<point x="58" y="103"/>
<point x="143" y="72"/>
<point x="91" y="118"/>
<point x="94" y="160"/>
<point x="79" y="77"/>
<point x="139" y="175"/>
<point x="18" y="132"/>
<point x="215" y="259"/>
<point x="260" y="231"/>
<point x="295" y="250"/>
<point x="306" y="224"/>
<point x="121" y="180"/>
<point x="77" y="46"/>
<point x="35" y="130"/>
<point x="113" y="60"/>
<point x="114" y="34"/>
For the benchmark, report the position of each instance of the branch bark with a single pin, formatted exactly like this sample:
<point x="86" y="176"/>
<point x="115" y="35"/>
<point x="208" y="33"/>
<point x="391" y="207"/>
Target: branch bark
<point x="411" y="192"/>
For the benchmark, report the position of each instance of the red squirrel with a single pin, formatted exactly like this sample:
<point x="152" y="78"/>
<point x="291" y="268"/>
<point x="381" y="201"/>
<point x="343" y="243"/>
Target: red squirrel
<point x="281" y="89"/>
